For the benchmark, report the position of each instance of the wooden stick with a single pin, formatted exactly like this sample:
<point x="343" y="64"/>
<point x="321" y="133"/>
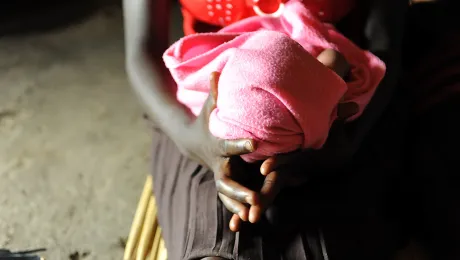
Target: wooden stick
<point x="138" y="220"/>
<point x="156" y="245"/>
<point x="148" y="231"/>
<point x="162" y="252"/>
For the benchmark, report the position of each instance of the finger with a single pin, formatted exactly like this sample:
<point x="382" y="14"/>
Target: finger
<point x="236" y="191"/>
<point x="270" y="189"/>
<point x="235" y="223"/>
<point x="271" y="164"/>
<point x="335" y="61"/>
<point x="236" y="147"/>
<point x="235" y="207"/>
<point x="278" y="160"/>
<point x="346" y="110"/>
<point x="214" y="82"/>
<point x="210" y="103"/>
<point x="255" y="213"/>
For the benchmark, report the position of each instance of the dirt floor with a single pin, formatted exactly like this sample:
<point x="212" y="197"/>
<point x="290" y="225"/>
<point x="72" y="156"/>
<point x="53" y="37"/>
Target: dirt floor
<point x="74" y="149"/>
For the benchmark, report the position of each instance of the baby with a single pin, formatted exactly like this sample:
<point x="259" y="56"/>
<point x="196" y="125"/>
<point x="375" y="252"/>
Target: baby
<point x="272" y="88"/>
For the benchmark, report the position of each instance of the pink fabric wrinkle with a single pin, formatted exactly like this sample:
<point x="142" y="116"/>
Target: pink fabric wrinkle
<point x="272" y="88"/>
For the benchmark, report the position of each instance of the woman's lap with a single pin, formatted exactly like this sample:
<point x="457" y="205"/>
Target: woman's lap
<point x="343" y="214"/>
<point x="189" y="211"/>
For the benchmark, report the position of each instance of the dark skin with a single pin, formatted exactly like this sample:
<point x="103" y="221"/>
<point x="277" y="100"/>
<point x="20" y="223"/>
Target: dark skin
<point x="150" y="83"/>
<point x="145" y="42"/>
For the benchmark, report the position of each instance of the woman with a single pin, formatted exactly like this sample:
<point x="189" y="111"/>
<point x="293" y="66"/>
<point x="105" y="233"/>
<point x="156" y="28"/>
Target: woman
<point x="301" y="222"/>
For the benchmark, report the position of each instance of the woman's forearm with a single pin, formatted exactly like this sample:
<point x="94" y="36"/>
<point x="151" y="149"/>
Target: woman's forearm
<point x="145" y="70"/>
<point x="155" y="97"/>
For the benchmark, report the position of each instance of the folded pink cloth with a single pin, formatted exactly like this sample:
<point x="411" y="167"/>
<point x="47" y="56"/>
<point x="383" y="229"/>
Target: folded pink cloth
<point x="272" y="88"/>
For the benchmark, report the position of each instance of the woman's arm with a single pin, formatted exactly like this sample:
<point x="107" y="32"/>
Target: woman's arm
<point x="146" y="39"/>
<point x="191" y="135"/>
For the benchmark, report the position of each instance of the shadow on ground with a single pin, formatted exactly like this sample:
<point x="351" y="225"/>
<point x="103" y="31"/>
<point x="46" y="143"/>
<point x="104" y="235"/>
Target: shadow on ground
<point x="31" y="16"/>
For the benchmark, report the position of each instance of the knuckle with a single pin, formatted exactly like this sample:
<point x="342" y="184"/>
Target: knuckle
<point x="229" y="204"/>
<point x="220" y="184"/>
<point x="251" y="195"/>
<point x="223" y="146"/>
<point x="185" y="152"/>
<point x="233" y="209"/>
<point x="218" y="171"/>
<point x="269" y="182"/>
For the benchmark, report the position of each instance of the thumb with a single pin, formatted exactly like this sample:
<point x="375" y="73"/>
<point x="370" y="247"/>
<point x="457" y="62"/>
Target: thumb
<point x="335" y="61"/>
<point x="210" y="103"/>
<point x="277" y="161"/>
<point x="272" y="163"/>
<point x="214" y="82"/>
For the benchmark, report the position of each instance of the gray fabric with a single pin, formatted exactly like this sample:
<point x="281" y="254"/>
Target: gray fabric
<point x="341" y="216"/>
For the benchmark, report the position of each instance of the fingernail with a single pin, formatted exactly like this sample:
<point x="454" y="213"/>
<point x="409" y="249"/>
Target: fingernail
<point x="263" y="170"/>
<point x="248" y="145"/>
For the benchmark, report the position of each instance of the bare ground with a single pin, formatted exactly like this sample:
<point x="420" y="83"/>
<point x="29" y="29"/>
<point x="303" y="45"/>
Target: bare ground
<point x="74" y="149"/>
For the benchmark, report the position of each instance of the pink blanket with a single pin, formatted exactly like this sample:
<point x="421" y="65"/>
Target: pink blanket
<point x="272" y="88"/>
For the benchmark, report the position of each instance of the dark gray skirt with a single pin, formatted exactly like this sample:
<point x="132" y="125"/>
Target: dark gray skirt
<point x="339" y="215"/>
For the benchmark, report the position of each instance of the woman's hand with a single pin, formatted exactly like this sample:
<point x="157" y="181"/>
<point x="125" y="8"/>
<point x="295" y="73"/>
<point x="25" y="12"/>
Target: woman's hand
<point x="199" y="144"/>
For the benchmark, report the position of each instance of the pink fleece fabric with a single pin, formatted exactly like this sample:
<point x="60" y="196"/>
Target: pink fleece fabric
<point x="272" y="88"/>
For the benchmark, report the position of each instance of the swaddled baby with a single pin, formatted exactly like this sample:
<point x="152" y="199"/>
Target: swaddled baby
<point x="272" y="88"/>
